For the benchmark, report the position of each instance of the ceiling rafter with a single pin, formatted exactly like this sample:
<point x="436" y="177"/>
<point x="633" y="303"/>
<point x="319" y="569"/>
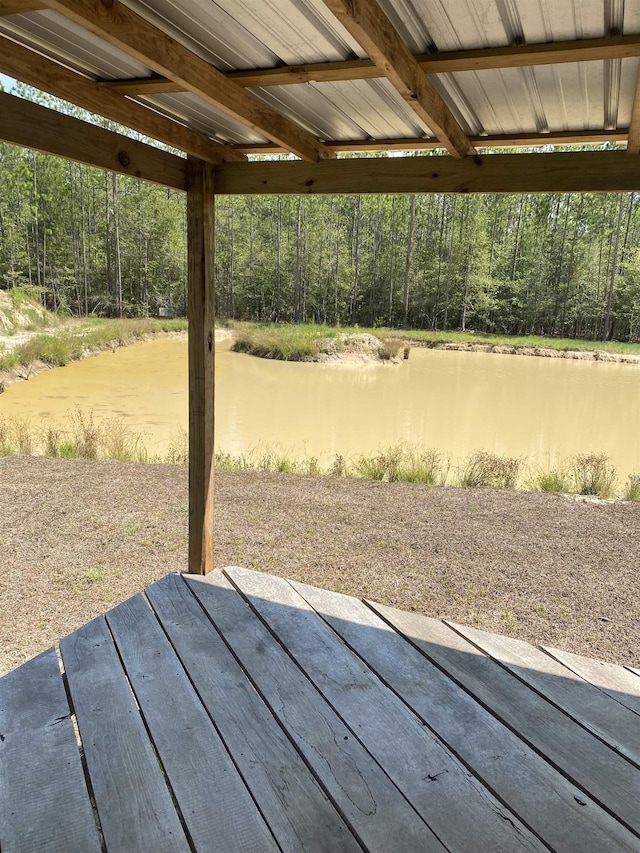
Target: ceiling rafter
<point x="633" y="141"/>
<point x="583" y="50"/>
<point x="19" y="7"/>
<point x="133" y="34"/>
<point x="409" y="143"/>
<point x="34" y="126"/>
<point x="49" y="76"/>
<point x="372" y="29"/>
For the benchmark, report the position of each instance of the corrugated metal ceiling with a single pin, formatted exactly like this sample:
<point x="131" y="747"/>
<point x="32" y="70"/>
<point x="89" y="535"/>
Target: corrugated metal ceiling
<point x="248" y="34"/>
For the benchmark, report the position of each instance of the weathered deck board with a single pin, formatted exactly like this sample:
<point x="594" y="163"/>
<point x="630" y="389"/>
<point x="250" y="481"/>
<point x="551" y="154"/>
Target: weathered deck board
<point x="585" y="760"/>
<point x="373" y="806"/>
<point x="546" y="801"/>
<point x="612" y="722"/>
<point x="264" y="714"/>
<point x="430" y="777"/>
<point x="134" y="804"/>
<point x="44" y="804"/>
<point x="188" y="745"/>
<point x="295" y="807"/>
<point x="619" y="682"/>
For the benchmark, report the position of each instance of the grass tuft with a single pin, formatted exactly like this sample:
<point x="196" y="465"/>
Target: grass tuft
<point x="487" y="470"/>
<point x="593" y="475"/>
<point x="632" y="488"/>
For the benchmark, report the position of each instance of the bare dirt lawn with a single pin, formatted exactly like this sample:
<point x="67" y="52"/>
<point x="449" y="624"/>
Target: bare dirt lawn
<point x="77" y="537"/>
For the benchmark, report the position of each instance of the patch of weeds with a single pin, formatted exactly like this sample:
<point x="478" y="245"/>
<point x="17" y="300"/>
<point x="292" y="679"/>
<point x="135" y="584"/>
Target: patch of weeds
<point x="552" y="480"/>
<point x="428" y="467"/>
<point x="510" y="621"/>
<point x="181" y="508"/>
<point x="632" y="488"/>
<point x="94" y="575"/>
<point x="487" y="470"/>
<point x="593" y="475"/>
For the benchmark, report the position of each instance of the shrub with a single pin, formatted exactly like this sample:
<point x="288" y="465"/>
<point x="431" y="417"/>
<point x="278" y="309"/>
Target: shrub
<point x="486" y="470"/>
<point x="593" y="475"/>
<point x="632" y="488"/>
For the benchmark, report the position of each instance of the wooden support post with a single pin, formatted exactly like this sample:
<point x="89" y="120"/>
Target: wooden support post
<point x="200" y="251"/>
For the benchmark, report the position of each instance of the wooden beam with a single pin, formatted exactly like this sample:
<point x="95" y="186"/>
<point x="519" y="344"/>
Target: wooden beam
<point x="580" y="171"/>
<point x="33" y="126"/>
<point x="446" y="62"/>
<point x="372" y="29"/>
<point x="410" y="143"/>
<point x="20" y="7"/>
<point x="200" y="262"/>
<point x="633" y="142"/>
<point x="128" y="31"/>
<point x="49" y="76"/>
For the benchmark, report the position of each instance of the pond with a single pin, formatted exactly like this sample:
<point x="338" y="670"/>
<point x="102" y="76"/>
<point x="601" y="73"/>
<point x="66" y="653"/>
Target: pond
<point x="457" y="402"/>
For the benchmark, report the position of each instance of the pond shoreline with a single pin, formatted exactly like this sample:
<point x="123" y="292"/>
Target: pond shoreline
<point x="537" y="351"/>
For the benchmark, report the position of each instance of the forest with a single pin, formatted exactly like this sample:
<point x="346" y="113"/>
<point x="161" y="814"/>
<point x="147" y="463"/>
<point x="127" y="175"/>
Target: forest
<point x="89" y="242"/>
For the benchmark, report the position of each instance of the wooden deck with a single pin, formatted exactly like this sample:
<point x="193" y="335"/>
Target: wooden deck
<point x="242" y="712"/>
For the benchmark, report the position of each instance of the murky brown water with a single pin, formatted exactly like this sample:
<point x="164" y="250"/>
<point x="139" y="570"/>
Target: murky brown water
<point x="454" y="401"/>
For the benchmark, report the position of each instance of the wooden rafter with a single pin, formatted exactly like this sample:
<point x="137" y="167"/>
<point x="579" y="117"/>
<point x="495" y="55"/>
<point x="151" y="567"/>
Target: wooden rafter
<point x="633" y="141"/>
<point x="372" y="29"/>
<point x="128" y="31"/>
<point x="34" y="126"/>
<point x="51" y="77"/>
<point x="19" y="7"/>
<point x="580" y="171"/>
<point x="583" y="50"/>
<point x="516" y="140"/>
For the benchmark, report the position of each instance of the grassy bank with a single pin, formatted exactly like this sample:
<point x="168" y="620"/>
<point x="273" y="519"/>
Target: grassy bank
<point x="286" y="342"/>
<point x="289" y="342"/>
<point x="82" y="438"/>
<point x="58" y="347"/>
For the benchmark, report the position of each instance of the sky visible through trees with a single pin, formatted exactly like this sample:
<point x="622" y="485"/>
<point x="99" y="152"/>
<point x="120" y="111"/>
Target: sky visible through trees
<point x="555" y="264"/>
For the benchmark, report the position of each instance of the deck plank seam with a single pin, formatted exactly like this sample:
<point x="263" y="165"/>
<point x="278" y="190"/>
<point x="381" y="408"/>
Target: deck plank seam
<point x="599" y="687"/>
<point x="81" y="752"/>
<point x="338" y="715"/>
<point x="152" y="742"/>
<point x="204" y="706"/>
<point x="425" y="723"/>
<point x="574" y="719"/>
<point x="574" y="781"/>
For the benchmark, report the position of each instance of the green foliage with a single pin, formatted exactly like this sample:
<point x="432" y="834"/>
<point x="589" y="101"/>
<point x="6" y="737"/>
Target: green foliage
<point x="593" y="475"/>
<point x="553" y="479"/>
<point x="487" y="470"/>
<point x="283" y="342"/>
<point x="632" y="488"/>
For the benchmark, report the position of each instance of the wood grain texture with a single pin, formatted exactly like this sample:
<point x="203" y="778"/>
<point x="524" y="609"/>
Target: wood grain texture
<point x="604" y="775"/>
<point x="440" y="62"/>
<point x="295" y="807"/>
<point x="134" y="804"/>
<point x="135" y="35"/>
<point x="426" y="772"/>
<point x="371" y="804"/>
<point x="49" y="76"/>
<point x="600" y="714"/>
<point x="619" y="682"/>
<point x="44" y="803"/>
<point x="525" y="782"/>
<point x="201" y="313"/>
<point x="447" y="62"/>
<point x="19" y="7"/>
<point x="369" y="25"/>
<point x="212" y="796"/>
<point x="579" y="171"/>
<point x="33" y="126"/>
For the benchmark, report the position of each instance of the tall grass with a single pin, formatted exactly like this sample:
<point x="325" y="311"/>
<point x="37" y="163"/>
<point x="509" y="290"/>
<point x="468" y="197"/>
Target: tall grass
<point x="486" y="470"/>
<point x="83" y="438"/>
<point x="593" y="475"/>
<point x="283" y="341"/>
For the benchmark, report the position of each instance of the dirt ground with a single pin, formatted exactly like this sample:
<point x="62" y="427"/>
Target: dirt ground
<point x="77" y="537"/>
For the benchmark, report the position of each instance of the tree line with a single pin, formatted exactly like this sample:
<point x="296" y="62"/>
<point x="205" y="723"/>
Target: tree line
<point x="554" y="264"/>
